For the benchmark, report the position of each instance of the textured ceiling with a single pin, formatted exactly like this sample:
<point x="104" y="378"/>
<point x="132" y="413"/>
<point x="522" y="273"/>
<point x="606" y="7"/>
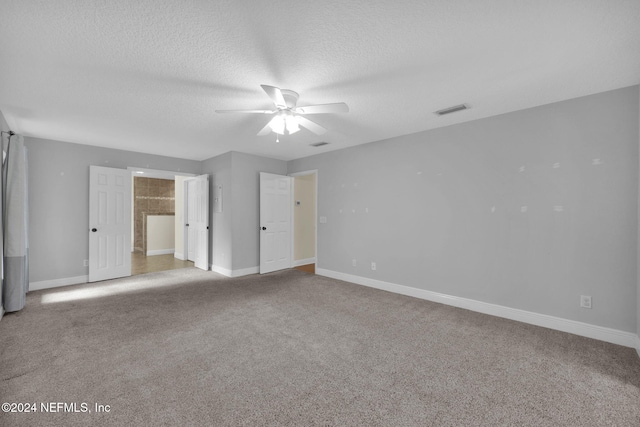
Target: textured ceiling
<point x="147" y="75"/>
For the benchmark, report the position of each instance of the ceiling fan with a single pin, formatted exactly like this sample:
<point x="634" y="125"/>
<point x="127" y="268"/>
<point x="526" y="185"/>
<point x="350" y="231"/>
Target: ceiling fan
<point x="287" y="117"/>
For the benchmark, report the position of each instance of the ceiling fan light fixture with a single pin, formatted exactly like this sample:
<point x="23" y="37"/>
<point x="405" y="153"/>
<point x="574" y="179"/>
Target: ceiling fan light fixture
<point x="292" y="124"/>
<point x="277" y="124"/>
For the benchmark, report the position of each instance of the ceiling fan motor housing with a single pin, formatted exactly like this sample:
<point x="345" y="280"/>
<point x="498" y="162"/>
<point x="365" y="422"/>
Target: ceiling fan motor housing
<point x="290" y="97"/>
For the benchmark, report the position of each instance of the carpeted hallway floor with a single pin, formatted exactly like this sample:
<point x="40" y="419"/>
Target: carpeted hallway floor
<point x="188" y="347"/>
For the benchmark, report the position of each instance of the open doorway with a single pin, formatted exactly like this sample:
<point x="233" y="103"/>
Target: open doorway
<point x="157" y="221"/>
<point x="304" y="236"/>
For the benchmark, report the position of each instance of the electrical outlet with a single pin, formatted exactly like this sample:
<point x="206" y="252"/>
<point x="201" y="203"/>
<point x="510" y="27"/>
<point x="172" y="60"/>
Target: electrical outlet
<point x="585" y="301"/>
<point x="353" y="262"/>
<point x="86" y="263"/>
<point x="373" y="266"/>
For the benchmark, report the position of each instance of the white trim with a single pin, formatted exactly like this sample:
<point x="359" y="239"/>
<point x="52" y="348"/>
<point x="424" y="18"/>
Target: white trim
<point x="56" y="283"/>
<point x="160" y="252"/>
<point x="245" y="271"/>
<point x="303" y="173"/>
<point x="185" y="219"/>
<point x="2" y="314"/>
<point x="292" y="225"/>
<point x="235" y="273"/>
<point x="299" y="262"/>
<point x="638" y="343"/>
<point x="291" y="219"/>
<point x="221" y="270"/>
<point x="157" y="173"/>
<point x="601" y="333"/>
<point x="179" y="255"/>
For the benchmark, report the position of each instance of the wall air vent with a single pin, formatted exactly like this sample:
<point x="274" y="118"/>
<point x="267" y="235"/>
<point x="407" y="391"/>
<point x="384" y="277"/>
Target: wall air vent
<point x="452" y="109"/>
<point x="319" y="144"/>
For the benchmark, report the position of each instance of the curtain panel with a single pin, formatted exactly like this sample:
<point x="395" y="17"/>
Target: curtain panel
<point x="15" y="226"/>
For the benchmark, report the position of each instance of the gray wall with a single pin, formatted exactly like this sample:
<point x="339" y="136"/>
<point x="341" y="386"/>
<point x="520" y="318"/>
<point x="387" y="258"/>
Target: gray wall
<point x="59" y="201"/>
<point x="235" y="239"/>
<point x="511" y="210"/>
<point x="219" y="169"/>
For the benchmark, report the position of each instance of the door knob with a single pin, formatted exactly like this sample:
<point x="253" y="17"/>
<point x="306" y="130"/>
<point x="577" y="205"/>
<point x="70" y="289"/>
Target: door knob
<point x="264" y="228"/>
<point x="94" y="229"/>
<point x="187" y="225"/>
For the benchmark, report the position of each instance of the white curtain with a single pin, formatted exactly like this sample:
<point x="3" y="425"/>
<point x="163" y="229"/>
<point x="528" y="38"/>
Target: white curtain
<point x="2" y="145"/>
<point x="15" y="225"/>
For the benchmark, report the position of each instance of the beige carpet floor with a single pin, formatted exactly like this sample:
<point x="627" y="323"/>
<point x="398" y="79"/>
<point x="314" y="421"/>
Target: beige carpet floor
<point x="188" y="347"/>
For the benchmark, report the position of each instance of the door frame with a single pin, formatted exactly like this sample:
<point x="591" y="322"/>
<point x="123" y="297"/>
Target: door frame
<point x="185" y="213"/>
<point x="185" y="217"/>
<point x="151" y="173"/>
<point x="315" y="214"/>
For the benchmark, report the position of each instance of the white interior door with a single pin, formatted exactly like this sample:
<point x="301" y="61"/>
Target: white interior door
<point x="109" y="223"/>
<point x="190" y="199"/>
<point x="275" y="222"/>
<point x="197" y="196"/>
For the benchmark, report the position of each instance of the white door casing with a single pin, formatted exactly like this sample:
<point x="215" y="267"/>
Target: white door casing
<point x="275" y="222"/>
<point x="109" y="223"/>
<point x="190" y="216"/>
<point x="197" y="215"/>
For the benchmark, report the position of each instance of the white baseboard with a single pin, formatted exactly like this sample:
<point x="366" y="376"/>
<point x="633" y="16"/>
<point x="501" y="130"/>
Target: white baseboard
<point x="56" y="283"/>
<point x="160" y="252"/>
<point x="297" y="263"/>
<point x="246" y="271"/>
<point x="601" y="333"/>
<point x="235" y="273"/>
<point x="638" y="343"/>
<point x="179" y="255"/>
<point x="2" y="313"/>
<point x="221" y="270"/>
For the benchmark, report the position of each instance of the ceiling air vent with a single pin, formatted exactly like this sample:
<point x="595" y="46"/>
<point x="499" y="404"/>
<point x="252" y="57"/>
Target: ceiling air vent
<point x="319" y="144"/>
<point x="452" y="109"/>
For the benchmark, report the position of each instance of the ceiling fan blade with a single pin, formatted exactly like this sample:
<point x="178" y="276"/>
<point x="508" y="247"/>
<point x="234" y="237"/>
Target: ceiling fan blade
<point x="265" y="130"/>
<point x="276" y="95"/>
<point x="338" y="107"/>
<point x="313" y="127"/>
<point x="247" y="111"/>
